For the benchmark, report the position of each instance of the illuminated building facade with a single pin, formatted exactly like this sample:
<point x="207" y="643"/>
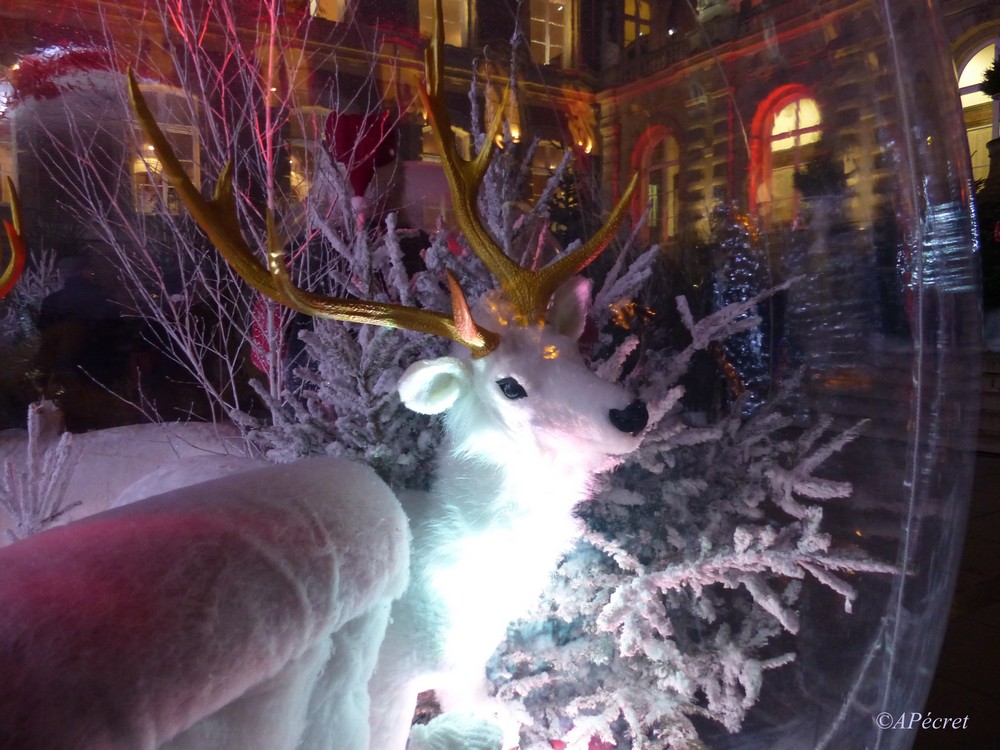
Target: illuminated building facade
<point x="709" y="101"/>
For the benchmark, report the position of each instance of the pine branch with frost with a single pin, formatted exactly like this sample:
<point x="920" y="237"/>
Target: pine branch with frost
<point x="446" y="253"/>
<point x="800" y="480"/>
<point x="612" y="368"/>
<point x="585" y="689"/>
<point x="505" y="185"/>
<point x="722" y="324"/>
<point x="732" y="568"/>
<point x="329" y="207"/>
<point x="670" y="432"/>
<point x="39" y="280"/>
<point x="396" y="276"/>
<point x="624" y="282"/>
<point x="33" y="492"/>
<point x="615" y="303"/>
<point x="347" y="403"/>
<point x="298" y="426"/>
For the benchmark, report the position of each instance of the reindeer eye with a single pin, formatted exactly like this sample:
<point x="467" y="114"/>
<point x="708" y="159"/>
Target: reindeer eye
<point x="511" y="388"/>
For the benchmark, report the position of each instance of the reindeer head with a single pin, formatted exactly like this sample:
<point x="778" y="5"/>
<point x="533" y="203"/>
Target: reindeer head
<point x="523" y="378"/>
<point x="533" y="396"/>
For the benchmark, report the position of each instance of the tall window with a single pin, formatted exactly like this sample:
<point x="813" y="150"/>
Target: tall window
<point x="429" y="149"/>
<point x="657" y="158"/>
<point x="663" y="172"/>
<point x="331" y="10"/>
<point x="6" y="167"/>
<point x="981" y="113"/>
<point x="432" y="196"/>
<point x="549" y="31"/>
<point x="304" y="142"/>
<point x="6" y="146"/>
<point x="637" y="20"/>
<point x="6" y="162"/>
<point x="456" y="20"/>
<point x="548" y="156"/>
<point x="151" y="191"/>
<point x="787" y="131"/>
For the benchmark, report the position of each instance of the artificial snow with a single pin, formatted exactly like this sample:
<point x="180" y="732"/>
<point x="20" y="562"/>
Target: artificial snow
<point x="101" y="464"/>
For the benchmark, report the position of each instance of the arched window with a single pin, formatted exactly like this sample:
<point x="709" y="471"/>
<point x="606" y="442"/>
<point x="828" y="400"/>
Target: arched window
<point x="456" y="20"/>
<point x="786" y="129"/>
<point x="981" y="113"/>
<point x="549" y="31"/>
<point x="657" y="158"/>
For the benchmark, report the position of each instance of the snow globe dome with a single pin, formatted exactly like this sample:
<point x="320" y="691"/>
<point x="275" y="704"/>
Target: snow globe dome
<point x="823" y="173"/>
<point x="770" y="567"/>
<point x="785" y="581"/>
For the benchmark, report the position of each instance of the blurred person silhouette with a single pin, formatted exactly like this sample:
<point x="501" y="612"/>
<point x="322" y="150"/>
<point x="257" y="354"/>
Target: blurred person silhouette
<point x="83" y="353"/>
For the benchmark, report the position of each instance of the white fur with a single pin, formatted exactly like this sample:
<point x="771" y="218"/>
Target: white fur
<point x="244" y="613"/>
<point x="500" y="513"/>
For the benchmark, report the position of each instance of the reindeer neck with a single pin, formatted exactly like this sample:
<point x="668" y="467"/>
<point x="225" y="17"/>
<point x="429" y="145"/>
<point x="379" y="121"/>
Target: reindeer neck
<point x="528" y="496"/>
<point x="486" y="538"/>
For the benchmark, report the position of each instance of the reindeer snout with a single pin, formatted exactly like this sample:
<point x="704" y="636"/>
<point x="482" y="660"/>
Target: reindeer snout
<point x="631" y="419"/>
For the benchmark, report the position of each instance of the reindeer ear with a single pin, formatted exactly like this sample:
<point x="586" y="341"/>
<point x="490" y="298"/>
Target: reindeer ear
<point x="431" y="386"/>
<point x="570" y="305"/>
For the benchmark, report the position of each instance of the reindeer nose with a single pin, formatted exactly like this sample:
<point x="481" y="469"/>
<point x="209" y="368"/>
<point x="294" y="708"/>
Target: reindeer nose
<point x="631" y="419"/>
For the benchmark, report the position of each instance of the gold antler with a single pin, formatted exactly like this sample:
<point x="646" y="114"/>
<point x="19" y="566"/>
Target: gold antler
<point x="218" y="219"/>
<point x="528" y="291"/>
<point x="18" y="249"/>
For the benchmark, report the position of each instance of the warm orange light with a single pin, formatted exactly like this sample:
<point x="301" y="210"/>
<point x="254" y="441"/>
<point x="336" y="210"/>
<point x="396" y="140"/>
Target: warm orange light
<point x="623" y="313"/>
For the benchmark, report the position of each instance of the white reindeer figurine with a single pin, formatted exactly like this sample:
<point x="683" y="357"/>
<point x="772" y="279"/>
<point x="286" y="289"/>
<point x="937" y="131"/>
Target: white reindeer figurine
<point x="528" y="426"/>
